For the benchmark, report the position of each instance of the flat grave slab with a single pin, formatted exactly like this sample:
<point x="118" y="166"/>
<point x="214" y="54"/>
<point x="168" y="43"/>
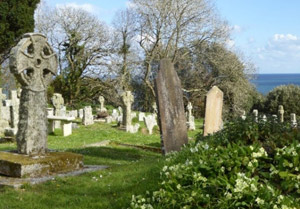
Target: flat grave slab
<point x="18" y="182"/>
<point x="23" y="166"/>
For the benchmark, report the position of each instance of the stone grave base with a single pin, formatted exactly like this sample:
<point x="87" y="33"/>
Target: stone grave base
<point x="18" y="182"/>
<point x="24" y="166"/>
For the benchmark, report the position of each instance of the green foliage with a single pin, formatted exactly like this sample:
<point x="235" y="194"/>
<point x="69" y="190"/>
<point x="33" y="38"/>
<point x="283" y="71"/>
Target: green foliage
<point x="16" y="18"/>
<point x="286" y="95"/>
<point x="232" y="169"/>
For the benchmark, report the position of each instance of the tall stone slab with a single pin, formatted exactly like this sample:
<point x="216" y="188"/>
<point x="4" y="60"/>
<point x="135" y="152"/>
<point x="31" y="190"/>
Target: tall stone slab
<point x="34" y="64"/>
<point x="213" y="111"/>
<point x="281" y="113"/>
<point x="172" y="120"/>
<point x="127" y="99"/>
<point x="88" y="118"/>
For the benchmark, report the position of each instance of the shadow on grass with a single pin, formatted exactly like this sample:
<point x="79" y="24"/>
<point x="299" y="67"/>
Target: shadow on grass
<point x="156" y="144"/>
<point x="109" y="153"/>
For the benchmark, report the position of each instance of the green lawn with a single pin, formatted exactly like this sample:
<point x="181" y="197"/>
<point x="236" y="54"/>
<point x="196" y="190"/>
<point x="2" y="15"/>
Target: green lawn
<point x="131" y="171"/>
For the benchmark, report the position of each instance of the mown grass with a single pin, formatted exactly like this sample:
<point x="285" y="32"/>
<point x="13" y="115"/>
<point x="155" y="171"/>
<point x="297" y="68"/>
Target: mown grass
<point x="131" y="171"/>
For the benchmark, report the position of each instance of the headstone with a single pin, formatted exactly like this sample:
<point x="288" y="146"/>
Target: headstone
<point x="264" y="118"/>
<point x="243" y="116"/>
<point x="255" y="114"/>
<point x="133" y="128"/>
<point x="88" y="118"/>
<point x="109" y="119"/>
<point x="293" y="120"/>
<point x="141" y="116"/>
<point x="4" y="113"/>
<point x="101" y="101"/>
<point x="154" y="106"/>
<point x="213" y="111"/>
<point x="191" y="118"/>
<point x="120" y="110"/>
<point x="150" y="122"/>
<point x="281" y="113"/>
<point x="50" y="112"/>
<point x="80" y="113"/>
<point x="33" y="63"/>
<point x="133" y="115"/>
<point x="172" y="120"/>
<point x="127" y="99"/>
<point x="58" y="103"/>
<point x="115" y="115"/>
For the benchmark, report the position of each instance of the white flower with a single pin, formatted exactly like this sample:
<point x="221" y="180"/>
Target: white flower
<point x="259" y="201"/>
<point x="178" y="186"/>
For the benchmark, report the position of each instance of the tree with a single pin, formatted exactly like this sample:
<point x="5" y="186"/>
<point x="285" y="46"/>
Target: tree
<point x="210" y="64"/>
<point x="16" y="18"/>
<point x="81" y="42"/>
<point x="165" y="26"/>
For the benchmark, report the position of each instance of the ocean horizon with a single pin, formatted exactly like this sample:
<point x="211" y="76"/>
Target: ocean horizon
<point x="264" y="83"/>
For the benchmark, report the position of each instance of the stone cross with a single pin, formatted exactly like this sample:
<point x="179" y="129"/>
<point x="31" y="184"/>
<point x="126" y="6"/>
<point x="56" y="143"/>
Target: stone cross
<point x="127" y="99"/>
<point x="189" y="108"/>
<point x="213" y="111"/>
<point x="293" y="120"/>
<point x="191" y="119"/>
<point x="101" y="101"/>
<point x="169" y="99"/>
<point x="33" y="63"/>
<point x="281" y="113"/>
<point x="58" y="103"/>
<point x="255" y="113"/>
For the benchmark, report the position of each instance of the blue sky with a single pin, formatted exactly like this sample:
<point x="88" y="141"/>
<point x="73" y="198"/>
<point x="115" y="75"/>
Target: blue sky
<point x="266" y="32"/>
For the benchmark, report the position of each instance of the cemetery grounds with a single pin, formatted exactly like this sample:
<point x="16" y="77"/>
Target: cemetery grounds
<point x="131" y="170"/>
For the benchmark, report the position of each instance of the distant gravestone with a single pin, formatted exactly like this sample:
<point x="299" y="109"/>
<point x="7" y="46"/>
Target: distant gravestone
<point x="127" y="99"/>
<point x="101" y="101"/>
<point x="34" y="64"/>
<point x="243" y="116"/>
<point x="213" y="111"/>
<point x="88" y="118"/>
<point x="115" y="115"/>
<point x="191" y="119"/>
<point x="172" y="120"/>
<point x="141" y="116"/>
<point x="255" y="114"/>
<point x="281" y="113"/>
<point x="264" y="118"/>
<point x="80" y="113"/>
<point x="293" y="120"/>
<point x="150" y="122"/>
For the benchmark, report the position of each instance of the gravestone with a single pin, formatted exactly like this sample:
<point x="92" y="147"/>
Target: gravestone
<point x="141" y="116"/>
<point x="80" y="113"/>
<point x="264" y="118"/>
<point x="150" y="122"/>
<point x="88" y="118"/>
<point x="4" y="117"/>
<point x="120" y="110"/>
<point x="127" y="99"/>
<point x="281" y="113"/>
<point x="101" y="101"/>
<point x="213" y="111"/>
<point x="243" y="116"/>
<point x="191" y="119"/>
<point x="172" y="120"/>
<point x="115" y="115"/>
<point x="58" y="104"/>
<point x="293" y="120"/>
<point x="33" y="63"/>
<point x="255" y="114"/>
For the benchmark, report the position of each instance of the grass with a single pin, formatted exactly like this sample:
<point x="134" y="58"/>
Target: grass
<point x="131" y="171"/>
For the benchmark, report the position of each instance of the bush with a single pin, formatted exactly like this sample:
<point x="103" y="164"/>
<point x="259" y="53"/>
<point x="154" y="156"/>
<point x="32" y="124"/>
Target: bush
<point x="236" y="173"/>
<point x="288" y="96"/>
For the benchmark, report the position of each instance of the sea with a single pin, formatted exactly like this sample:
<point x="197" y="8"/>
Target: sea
<point x="266" y="82"/>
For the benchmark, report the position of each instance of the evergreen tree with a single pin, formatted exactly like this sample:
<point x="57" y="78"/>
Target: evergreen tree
<point x="16" y="18"/>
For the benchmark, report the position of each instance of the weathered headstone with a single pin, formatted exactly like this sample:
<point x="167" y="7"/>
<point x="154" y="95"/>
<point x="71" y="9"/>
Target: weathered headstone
<point x="4" y="113"/>
<point x="213" y="111"/>
<point x="255" y="114"/>
<point x="80" y="113"/>
<point x="191" y="119"/>
<point x="141" y="116"/>
<point x="243" y="116"/>
<point x="101" y="101"/>
<point x="281" y="113"/>
<point x="150" y="122"/>
<point x="33" y="63"/>
<point x="264" y="118"/>
<point x="115" y="115"/>
<point x="127" y="99"/>
<point x="293" y="120"/>
<point x="58" y="103"/>
<point x="172" y="120"/>
<point x="88" y="118"/>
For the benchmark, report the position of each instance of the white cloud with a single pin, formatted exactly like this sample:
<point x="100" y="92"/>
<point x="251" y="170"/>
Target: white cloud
<point x="281" y="54"/>
<point x="237" y="29"/>
<point x="87" y="7"/>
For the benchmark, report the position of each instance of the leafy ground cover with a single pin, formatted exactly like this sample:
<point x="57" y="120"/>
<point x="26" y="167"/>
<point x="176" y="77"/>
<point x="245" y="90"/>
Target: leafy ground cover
<point x="131" y="171"/>
<point x="246" y="165"/>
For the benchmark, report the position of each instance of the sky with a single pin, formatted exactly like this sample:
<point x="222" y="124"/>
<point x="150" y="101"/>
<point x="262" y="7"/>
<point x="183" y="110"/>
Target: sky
<point x="266" y="32"/>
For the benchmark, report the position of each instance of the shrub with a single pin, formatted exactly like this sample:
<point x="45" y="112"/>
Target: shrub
<point x="288" y="96"/>
<point x="231" y="169"/>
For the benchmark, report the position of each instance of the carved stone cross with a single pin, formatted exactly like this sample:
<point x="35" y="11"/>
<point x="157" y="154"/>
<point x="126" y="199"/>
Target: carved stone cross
<point x="189" y="108"/>
<point x="33" y="63"/>
<point x="127" y="99"/>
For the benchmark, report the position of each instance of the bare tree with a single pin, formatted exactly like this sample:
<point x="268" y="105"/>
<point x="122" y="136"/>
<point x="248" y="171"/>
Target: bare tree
<point x="81" y="42"/>
<point x="165" y="26"/>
